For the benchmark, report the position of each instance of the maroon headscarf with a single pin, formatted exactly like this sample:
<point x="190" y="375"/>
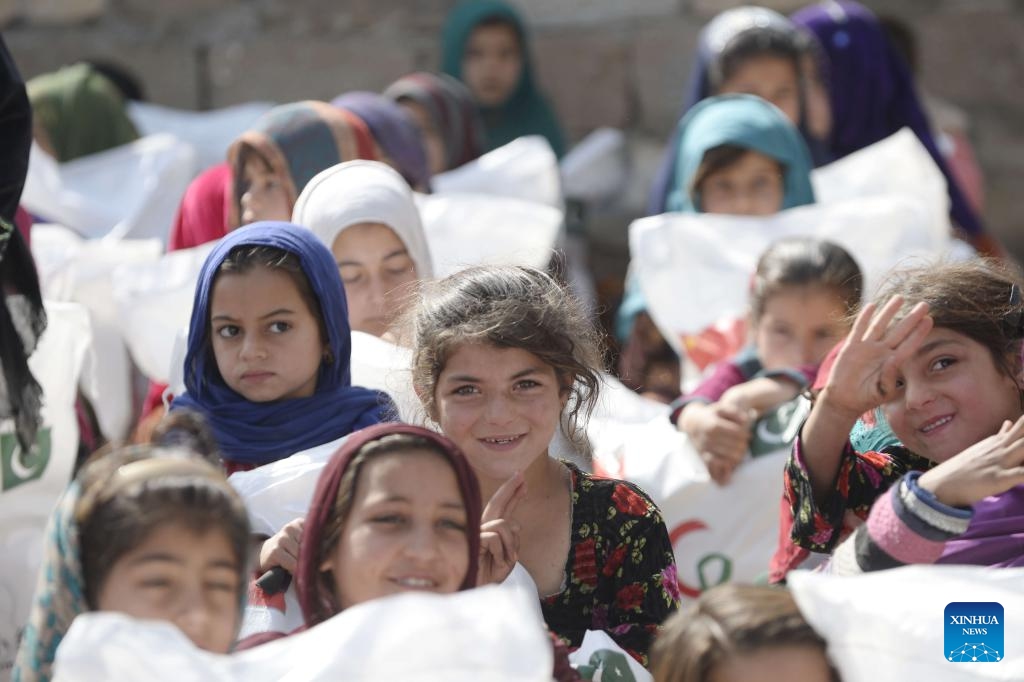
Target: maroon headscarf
<point x="205" y="210"/>
<point x="307" y="575"/>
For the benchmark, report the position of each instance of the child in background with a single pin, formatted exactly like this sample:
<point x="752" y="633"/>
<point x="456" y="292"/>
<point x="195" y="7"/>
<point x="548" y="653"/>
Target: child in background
<point x="738" y="155"/>
<point x="740" y="633"/>
<point x="272" y="162"/>
<point x="756" y="51"/>
<point x="803" y="293"/>
<point x="399" y="142"/>
<point x="154" y="533"/>
<point x="484" y="44"/>
<point x="268" y="353"/>
<point x="503" y="357"/>
<point x="940" y="356"/>
<point x="364" y="212"/>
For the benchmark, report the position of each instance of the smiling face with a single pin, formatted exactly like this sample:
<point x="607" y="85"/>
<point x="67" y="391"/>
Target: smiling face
<point x="950" y="395"/>
<point x="184" y="578"/>
<point x="405" y="531"/>
<point x="265" y="339"/>
<point x="771" y="78"/>
<point x="799" y="326"/>
<point x="492" y="63"/>
<point x="264" y="196"/>
<point x="501" y="406"/>
<point x="752" y="185"/>
<point x="377" y="270"/>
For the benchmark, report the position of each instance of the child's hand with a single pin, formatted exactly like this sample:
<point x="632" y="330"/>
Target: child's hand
<point x="865" y="372"/>
<point x="761" y="394"/>
<point x="282" y="549"/>
<point x="989" y="467"/>
<point x="720" y="433"/>
<point x="499" y="534"/>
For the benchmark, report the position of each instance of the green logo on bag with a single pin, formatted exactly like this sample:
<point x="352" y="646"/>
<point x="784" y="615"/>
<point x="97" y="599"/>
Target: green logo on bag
<point x="607" y="666"/>
<point x="17" y="467"/>
<point x="777" y="430"/>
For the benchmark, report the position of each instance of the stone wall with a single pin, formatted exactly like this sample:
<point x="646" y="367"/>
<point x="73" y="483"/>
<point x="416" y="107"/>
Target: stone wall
<point x="603" y="62"/>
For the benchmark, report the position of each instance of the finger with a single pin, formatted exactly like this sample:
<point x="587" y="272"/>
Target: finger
<point x="498" y="547"/>
<point x="914" y="327"/>
<point x="511" y="490"/>
<point x="734" y="415"/>
<point x="861" y="323"/>
<point x="289" y="546"/>
<point x="876" y="330"/>
<point x="282" y="558"/>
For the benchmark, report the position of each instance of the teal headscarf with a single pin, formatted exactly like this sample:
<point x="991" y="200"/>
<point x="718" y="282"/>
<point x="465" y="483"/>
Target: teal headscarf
<point x="526" y="112"/>
<point x="742" y="121"/>
<point x="739" y="120"/>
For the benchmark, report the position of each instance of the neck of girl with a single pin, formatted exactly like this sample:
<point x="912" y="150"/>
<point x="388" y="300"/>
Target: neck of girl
<point x="545" y="478"/>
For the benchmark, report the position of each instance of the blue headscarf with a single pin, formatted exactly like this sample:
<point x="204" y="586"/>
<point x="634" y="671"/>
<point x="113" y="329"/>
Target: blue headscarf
<point x="740" y="120"/>
<point x="259" y="433"/>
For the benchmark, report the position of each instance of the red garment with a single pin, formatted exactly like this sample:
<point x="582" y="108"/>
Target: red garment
<point x="204" y="213"/>
<point x="23" y="221"/>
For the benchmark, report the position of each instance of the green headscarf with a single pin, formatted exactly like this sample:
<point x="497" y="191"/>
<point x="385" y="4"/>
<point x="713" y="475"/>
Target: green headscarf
<point x="81" y="110"/>
<point x="526" y="112"/>
<point x="743" y="121"/>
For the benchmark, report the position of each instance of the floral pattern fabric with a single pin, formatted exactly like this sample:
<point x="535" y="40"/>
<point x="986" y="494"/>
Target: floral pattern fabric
<point x="620" y="575"/>
<point x="862" y="478"/>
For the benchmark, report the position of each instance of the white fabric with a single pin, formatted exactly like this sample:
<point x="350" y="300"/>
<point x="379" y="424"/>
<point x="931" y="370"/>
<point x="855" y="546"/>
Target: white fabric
<point x="79" y="270"/>
<point x="31" y="484"/>
<point x="363" y="192"/>
<point x="889" y="626"/>
<point x="480" y="229"/>
<point x="484" y="634"/>
<point x="526" y="168"/>
<point x="132" y="191"/>
<point x="209" y="132"/>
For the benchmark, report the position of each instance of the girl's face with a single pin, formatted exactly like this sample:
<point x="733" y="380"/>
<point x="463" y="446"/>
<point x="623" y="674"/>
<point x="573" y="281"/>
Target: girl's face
<point x="774" y="664"/>
<point x="799" y="325"/>
<point x="406" y="530"/>
<point x="377" y="271"/>
<point x="178" y="576"/>
<point x="771" y="78"/>
<point x="265" y="339"/>
<point x="752" y="185"/>
<point x="501" y="406"/>
<point x="263" y="196"/>
<point x="950" y="395"/>
<point x="432" y="141"/>
<point x="492" y="63"/>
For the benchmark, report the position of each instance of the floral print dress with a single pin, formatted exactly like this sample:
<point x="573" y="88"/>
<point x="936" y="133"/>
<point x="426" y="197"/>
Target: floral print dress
<point x="620" y="575"/>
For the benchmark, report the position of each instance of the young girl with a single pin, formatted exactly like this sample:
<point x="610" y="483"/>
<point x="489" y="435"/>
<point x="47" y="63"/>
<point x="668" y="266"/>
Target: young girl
<point x="446" y="115"/>
<point x="941" y="360"/>
<point x="484" y="45"/>
<point x="503" y="357"/>
<point x="364" y="212"/>
<point x="398" y="139"/>
<point x="801" y="297"/>
<point x="153" y="533"/>
<point x="268" y="348"/>
<point x="737" y="154"/>
<point x="740" y="633"/>
<point x="756" y="51"/>
<point x="272" y="162"/>
<point x="873" y="95"/>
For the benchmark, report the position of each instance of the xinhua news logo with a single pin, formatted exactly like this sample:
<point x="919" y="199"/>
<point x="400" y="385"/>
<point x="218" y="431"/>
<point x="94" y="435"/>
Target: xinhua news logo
<point x="974" y="632"/>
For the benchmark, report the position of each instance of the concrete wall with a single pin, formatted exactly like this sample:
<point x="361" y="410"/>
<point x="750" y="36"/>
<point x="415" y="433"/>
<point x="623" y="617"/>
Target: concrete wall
<point x="603" y="62"/>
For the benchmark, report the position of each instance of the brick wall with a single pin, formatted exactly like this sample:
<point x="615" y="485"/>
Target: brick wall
<point x="603" y="62"/>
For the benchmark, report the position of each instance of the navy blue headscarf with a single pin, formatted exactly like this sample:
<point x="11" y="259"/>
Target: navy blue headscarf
<point x="872" y="91"/>
<point x="258" y="433"/>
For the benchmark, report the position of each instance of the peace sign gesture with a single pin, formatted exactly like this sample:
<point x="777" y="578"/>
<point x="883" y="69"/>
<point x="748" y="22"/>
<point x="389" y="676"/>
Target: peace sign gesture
<point x="866" y="370"/>
<point x="499" y="534"/>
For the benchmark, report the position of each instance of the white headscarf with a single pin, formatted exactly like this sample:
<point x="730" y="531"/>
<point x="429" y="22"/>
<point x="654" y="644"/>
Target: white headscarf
<point x="363" y="192"/>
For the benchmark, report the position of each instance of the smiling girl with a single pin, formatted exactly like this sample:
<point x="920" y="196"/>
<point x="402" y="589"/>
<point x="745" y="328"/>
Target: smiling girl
<point x="940" y="357"/>
<point x="268" y="348"/>
<point x="154" y="533"/>
<point x="504" y="357"/>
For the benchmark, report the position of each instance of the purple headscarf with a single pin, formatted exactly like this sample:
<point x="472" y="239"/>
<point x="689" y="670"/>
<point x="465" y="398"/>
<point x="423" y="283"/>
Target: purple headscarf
<point x="872" y="90"/>
<point x="395" y="132"/>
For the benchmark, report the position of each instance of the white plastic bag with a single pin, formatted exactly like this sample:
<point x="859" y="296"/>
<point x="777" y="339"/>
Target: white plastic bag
<point x="31" y="484"/>
<point x="485" y="634"/>
<point x="596" y="168"/>
<point x="526" y="168"/>
<point x="889" y="626"/>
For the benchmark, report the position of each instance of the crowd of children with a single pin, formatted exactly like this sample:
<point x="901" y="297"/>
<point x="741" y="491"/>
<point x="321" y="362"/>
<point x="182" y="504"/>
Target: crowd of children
<point x="912" y="450"/>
